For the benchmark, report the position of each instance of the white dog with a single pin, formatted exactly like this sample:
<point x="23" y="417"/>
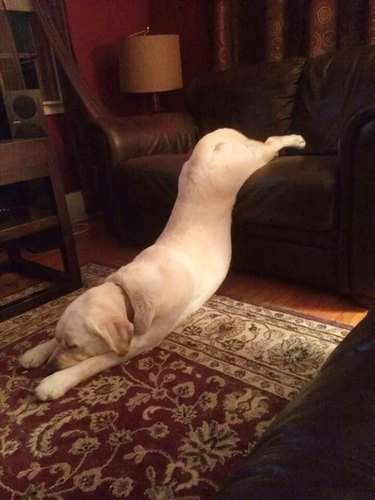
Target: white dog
<point x="140" y="304"/>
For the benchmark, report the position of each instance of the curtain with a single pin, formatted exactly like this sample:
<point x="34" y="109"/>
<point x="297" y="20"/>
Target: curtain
<point x="246" y="31"/>
<point x="80" y="102"/>
<point x="51" y="14"/>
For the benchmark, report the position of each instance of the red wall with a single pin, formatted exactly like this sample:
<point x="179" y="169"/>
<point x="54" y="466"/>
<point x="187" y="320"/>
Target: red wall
<point x="189" y="19"/>
<point x="96" y="26"/>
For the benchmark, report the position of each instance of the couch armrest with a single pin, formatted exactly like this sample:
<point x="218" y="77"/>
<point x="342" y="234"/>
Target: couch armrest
<point x="357" y="207"/>
<point x="111" y="140"/>
<point x="134" y="136"/>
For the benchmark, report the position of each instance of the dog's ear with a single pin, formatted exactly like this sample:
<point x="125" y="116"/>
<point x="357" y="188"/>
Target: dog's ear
<point x="118" y="335"/>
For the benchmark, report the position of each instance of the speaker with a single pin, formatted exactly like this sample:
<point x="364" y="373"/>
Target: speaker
<point x="24" y="110"/>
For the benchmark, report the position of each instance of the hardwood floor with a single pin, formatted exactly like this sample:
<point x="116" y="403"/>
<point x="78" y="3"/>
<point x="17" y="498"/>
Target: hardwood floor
<point x="95" y="245"/>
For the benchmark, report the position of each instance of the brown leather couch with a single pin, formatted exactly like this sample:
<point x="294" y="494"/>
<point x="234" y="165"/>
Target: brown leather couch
<point x="308" y="217"/>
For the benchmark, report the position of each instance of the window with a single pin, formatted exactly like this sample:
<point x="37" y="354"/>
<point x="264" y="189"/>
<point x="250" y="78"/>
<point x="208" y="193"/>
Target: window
<point x="36" y="57"/>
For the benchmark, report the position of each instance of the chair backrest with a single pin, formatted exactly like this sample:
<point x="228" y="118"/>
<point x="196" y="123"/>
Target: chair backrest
<point x="257" y="100"/>
<point x="332" y="88"/>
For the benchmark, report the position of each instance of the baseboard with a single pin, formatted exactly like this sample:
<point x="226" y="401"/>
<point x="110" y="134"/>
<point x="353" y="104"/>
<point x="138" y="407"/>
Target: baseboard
<point x="76" y="207"/>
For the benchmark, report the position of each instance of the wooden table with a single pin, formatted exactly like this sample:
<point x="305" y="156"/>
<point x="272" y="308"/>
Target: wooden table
<point x="23" y="160"/>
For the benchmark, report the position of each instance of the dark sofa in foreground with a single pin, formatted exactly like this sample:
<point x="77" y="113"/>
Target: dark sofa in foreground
<point x="308" y="217"/>
<point x="322" y="445"/>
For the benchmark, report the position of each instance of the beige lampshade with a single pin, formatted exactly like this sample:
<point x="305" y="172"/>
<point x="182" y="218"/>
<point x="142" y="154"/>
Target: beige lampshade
<point x="150" y="63"/>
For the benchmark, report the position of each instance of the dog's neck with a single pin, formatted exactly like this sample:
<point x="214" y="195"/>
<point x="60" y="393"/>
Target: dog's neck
<point x="128" y="305"/>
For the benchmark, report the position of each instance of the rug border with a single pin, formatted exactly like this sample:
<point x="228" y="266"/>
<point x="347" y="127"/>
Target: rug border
<point x="292" y="312"/>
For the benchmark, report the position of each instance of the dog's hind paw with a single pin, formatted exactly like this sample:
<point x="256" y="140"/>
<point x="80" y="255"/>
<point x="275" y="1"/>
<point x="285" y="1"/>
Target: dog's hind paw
<point x="298" y="141"/>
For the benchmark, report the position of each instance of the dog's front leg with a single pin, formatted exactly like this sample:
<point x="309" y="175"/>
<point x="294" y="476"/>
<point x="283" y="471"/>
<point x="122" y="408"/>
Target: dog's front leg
<point x="38" y="355"/>
<point x="57" y="384"/>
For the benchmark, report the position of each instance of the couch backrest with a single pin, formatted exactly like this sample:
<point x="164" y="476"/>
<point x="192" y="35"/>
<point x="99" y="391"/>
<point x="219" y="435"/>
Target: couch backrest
<point x="257" y="100"/>
<point x="315" y="98"/>
<point x="332" y="88"/>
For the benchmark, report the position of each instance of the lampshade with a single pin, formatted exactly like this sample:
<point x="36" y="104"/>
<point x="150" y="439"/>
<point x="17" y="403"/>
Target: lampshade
<point x="150" y="63"/>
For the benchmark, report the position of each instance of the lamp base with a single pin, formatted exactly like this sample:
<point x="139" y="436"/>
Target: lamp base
<point x="157" y="104"/>
<point x="152" y="103"/>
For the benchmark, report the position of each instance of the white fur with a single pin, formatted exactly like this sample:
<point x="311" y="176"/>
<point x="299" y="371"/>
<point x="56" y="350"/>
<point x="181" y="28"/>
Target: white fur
<point x="168" y="280"/>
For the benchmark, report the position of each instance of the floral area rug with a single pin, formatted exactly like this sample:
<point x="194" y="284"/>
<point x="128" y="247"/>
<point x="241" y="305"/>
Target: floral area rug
<point x="174" y="423"/>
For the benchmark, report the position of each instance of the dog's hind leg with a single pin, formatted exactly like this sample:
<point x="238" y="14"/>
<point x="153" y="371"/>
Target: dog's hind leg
<point x="275" y="143"/>
<point x="38" y="355"/>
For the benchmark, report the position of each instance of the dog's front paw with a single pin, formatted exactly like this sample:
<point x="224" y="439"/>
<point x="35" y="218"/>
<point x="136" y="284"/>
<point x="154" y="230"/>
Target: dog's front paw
<point x="33" y="358"/>
<point x="52" y="387"/>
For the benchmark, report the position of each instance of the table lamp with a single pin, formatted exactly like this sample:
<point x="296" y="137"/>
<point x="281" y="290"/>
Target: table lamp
<point x="150" y="64"/>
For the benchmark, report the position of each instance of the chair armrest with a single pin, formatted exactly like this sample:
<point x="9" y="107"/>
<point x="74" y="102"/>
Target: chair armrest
<point x="134" y="136"/>
<point x="357" y="206"/>
<point x="353" y="129"/>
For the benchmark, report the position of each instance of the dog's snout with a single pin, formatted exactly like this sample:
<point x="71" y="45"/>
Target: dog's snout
<point x="51" y="367"/>
<point x="52" y="364"/>
<point x="66" y="359"/>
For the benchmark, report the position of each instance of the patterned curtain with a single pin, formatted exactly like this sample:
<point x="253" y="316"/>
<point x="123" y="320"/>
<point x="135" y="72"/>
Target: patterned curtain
<point x="270" y="30"/>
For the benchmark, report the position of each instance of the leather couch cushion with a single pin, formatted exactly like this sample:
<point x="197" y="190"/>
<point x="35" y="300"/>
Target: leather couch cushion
<point x="291" y="192"/>
<point x="332" y="88"/>
<point x="257" y="100"/>
<point x="322" y="445"/>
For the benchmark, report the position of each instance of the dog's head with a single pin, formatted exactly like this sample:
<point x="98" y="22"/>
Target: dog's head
<point x="95" y="323"/>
